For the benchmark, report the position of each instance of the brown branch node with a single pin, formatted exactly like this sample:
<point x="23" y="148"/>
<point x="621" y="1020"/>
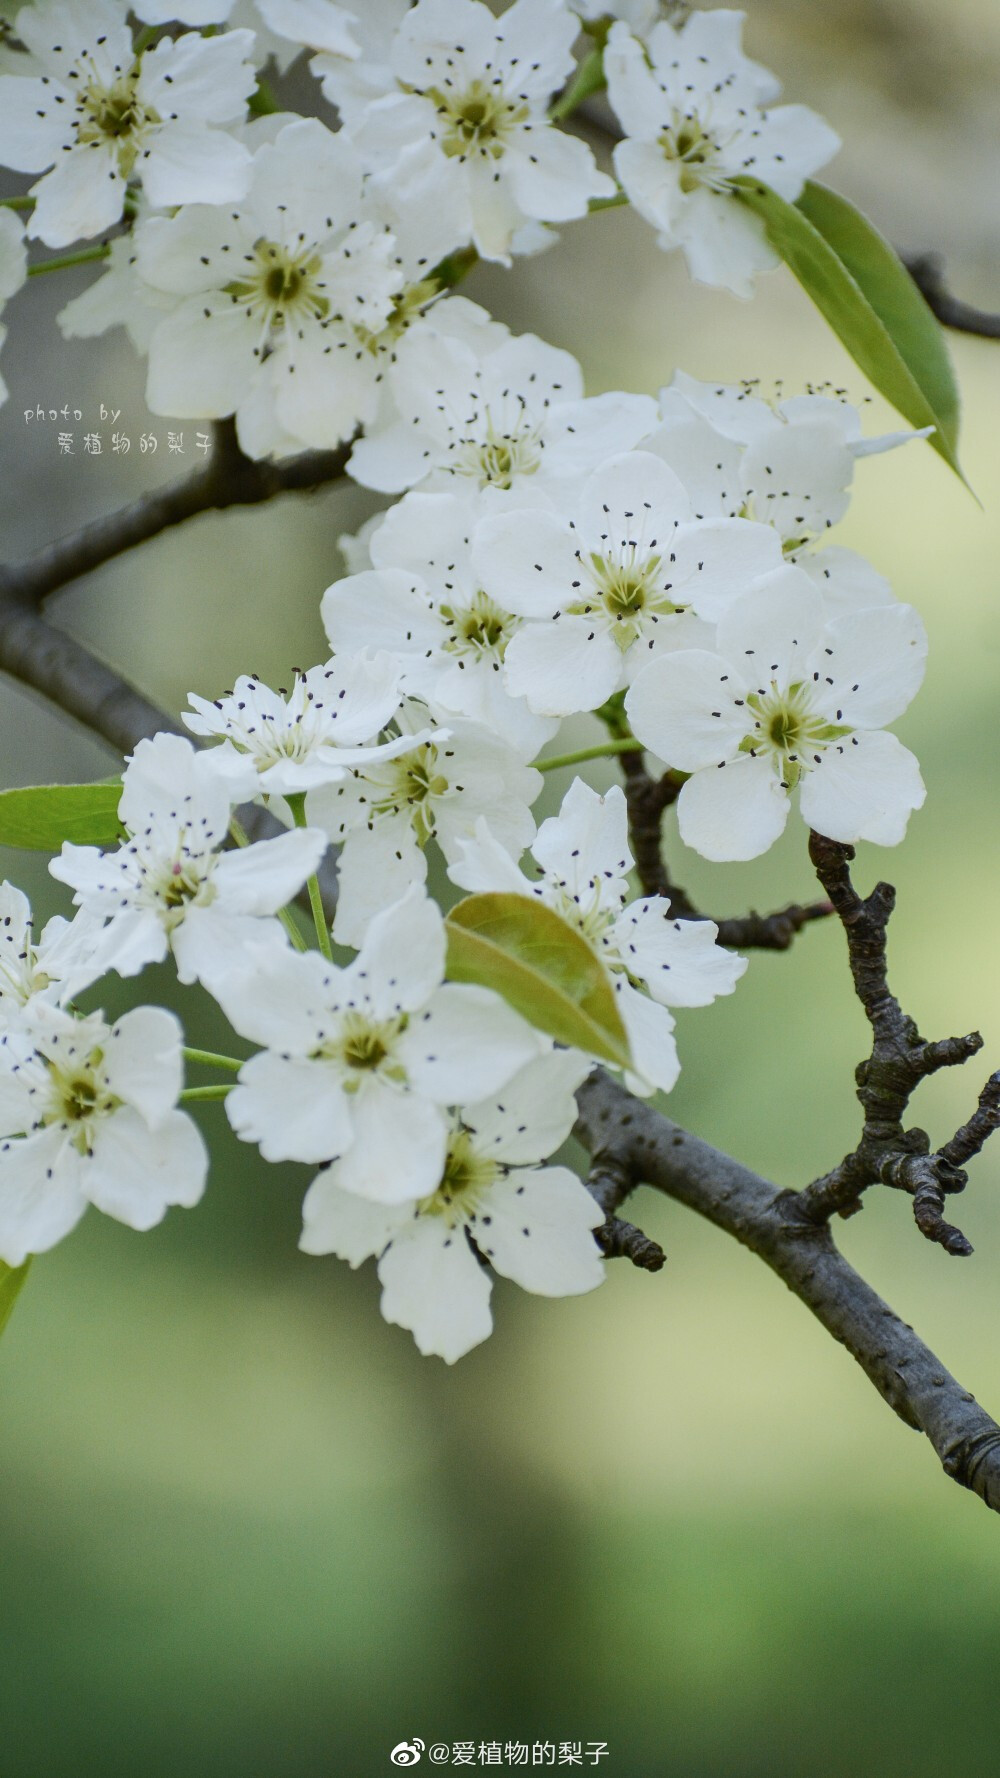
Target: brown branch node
<point x="887" y="1153"/>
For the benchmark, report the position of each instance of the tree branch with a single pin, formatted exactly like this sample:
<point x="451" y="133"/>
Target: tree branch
<point x="927" y="272"/>
<point x="643" y="1146"/>
<point x="647" y="798"/>
<point x="228" y="478"/>
<point x="887" y="1153"/>
<point x="81" y="685"/>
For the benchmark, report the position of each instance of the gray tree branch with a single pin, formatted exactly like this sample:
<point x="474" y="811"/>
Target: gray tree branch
<point x="228" y="478"/>
<point x="638" y="1144"/>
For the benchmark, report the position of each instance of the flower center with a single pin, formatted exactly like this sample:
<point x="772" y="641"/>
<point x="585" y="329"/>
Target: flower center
<point x="787" y="728"/>
<point x="281" y="285"/>
<point x="116" y="115"/>
<point x="467" y="1176"/>
<point x="78" y="1097"/>
<point x="501" y="457"/>
<point x="477" y="121"/>
<point x="364" y="1046"/>
<point x="628" y="588"/>
<point x="686" y="141"/>
<point x="480" y="628"/>
<point x="413" y="782"/>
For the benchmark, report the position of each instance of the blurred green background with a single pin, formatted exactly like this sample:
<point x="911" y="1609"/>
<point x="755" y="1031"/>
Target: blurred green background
<point x="246" y="1529"/>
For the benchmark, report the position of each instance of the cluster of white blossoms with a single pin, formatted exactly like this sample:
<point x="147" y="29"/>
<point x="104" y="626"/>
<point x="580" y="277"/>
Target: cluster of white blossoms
<point x="658" y="565"/>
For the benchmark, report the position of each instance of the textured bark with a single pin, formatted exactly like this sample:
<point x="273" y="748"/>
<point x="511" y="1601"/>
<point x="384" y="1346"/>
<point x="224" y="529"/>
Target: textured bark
<point x="624" y="1133"/>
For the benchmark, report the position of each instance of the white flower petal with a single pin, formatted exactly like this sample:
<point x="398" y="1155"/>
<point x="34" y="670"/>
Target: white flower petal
<point x="355" y="1229"/>
<point x="735" y="811"/>
<point x="399" y="1146"/>
<point x="537" y="1228"/>
<point x="687" y="707"/>
<point x="135" y="1173"/>
<point x="864" y="789"/>
<point x="40" y="1194"/>
<point x="292" y="1107"/>
<point x="466" y="1043"/>
<point x="433" y="1285"/>
<point x="650" y="1032"/>
<point x="534" y="1113"/>
<point x="142" y="1061"/>
<point x="562" y="667"/>
<point x="679" y="960"/>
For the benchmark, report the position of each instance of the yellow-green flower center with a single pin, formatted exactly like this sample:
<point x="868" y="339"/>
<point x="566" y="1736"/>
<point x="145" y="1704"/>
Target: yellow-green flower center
<point x="477" y="121"/>
<point x="413" y="782"/>
<point x="479" y="628"/>
<point x="363" y="1045"/>
<point x="630" y="591"/>
<point x="467" y="1176"/>
<point x="116" y="116"/>
<point x="787" y="728"/>
<point x="281" y="285"/>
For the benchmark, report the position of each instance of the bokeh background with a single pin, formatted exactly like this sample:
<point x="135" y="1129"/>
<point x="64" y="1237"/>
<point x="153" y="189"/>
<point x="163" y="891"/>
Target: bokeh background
<point x="246" y="1530"/>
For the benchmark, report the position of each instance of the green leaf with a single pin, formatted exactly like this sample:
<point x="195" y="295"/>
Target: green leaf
<point x="547" y="971"/>
<point x="11" y="1282"/>
<point x="42" y="817"/>
<point x="869" y="299"/>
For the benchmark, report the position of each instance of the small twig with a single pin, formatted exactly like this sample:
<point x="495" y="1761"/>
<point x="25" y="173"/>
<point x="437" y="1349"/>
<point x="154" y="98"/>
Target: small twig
<point x="887" y="1153"/>
<point x="927" y="272"/>
<point x="609" y="1184"/>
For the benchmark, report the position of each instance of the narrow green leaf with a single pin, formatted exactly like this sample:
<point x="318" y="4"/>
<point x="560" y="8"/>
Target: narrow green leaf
<point x="42" y="817"/>
<point x="11" y="1283"/>
<point x="547" y="971"/>
<point x="869" y="299"/>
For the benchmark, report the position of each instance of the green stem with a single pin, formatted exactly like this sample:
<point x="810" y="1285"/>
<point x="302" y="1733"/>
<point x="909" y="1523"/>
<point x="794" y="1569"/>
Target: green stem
<point x="194" y="1095"/>
<point x="602" y="750"/>
<point x="297" y="804"/>
<point x="210" y="1059"/>
<point x="588" y="79"/>
<point x="240" y="837"/>
<point x="614" y="203"/>
<point x="85" y="256"/>
<point x="145" y="38"/>
<point x="17" y="203"/>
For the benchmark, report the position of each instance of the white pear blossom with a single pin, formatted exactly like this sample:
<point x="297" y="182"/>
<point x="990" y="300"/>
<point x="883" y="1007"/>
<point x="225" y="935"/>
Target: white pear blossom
<point x="692" y="109"/>
<point x="790" y="698"/>
<point x="169" y="887"/>
<point x="313" y="733"/>
<point x="88" y="1116"/>
<point x="507" y="414"/>
<point x="279" y="298"/>
<point x="55" y="968"/>
<point x="583" y="854"/>
<point x="531" y="1223"/>
<point x="359" y="1063"/>
<point x="788" y="463"/>
<point x="479" y="88"/>
<point x="351" y="83"/>
<point x="13" y="268"/>
<point x="424" y="602"/>
<point x="614" y="584"/>
<point x="100" y="115"/>
<point x="285" y="26"/>
<point x="383" y="815"/>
